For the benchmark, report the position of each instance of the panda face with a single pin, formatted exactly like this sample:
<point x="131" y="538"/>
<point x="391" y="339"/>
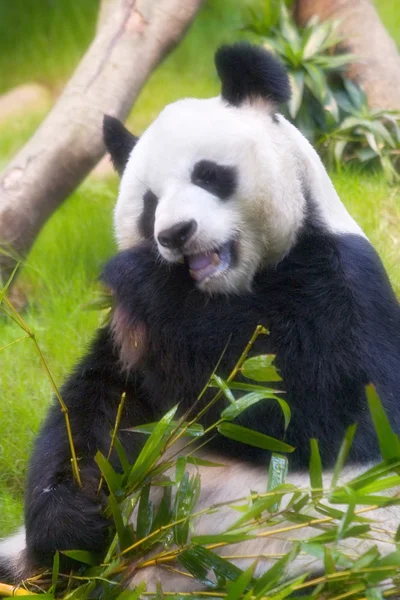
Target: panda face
<point x="205" y="182"/>
<point x="223" y="185"/>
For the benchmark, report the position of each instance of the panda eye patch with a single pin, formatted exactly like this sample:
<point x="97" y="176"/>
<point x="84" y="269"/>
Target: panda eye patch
<point x="219" y="180"/>
<point x="147" y="218"/>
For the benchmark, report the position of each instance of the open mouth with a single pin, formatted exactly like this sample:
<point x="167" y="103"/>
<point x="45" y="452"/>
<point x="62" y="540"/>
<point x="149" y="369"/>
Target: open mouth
<point x="207" y="264"/>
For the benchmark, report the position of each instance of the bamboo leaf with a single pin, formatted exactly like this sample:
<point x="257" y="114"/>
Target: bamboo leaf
<point x="347" y="517"/>
<point x="236" y="409"/>
<point x="343" y="452"/>
<point x="261" y="368"/>
<point x="151" y="450"/>
<point x="164" y="512"/>
<point x="124" y="532"/>
<point x="250" y="387"/>
<point x="126" y="467"/>
<point x="366" y="559"/>
<point x="55" y="570"/>
<point x="195" y="430"/>
<point x="253" y="438"/>
<point x="82" y="556"/>
<point x="133" y="594"/>
<point x="275" y="573"/>
<point x="277" y="472"/>
<point x="389" y="442"/>
<point x="185" y="501"/>
<point x="145" y="514"/>
<point x="199" y="561"/>
<point x="315" y="469"/>
<point x="237" y="588"/>
<point x="224" y="387"/>
<point x="262" y="504"/>
<point x="224" y="538"/>
<point x="201" y="462"/>
<point x="374" y="594"/>
<point x="180" y="468"/>
<point x="112" y="478"/>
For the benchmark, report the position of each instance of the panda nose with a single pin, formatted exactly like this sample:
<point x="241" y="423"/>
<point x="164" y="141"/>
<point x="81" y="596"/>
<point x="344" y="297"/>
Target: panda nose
<point x="176" y="236"/>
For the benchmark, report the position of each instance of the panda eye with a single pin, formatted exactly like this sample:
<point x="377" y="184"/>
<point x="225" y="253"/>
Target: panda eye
<point x="147" y="217"/>
<point x="219" y="180"/>
<point x="207" y="175"/>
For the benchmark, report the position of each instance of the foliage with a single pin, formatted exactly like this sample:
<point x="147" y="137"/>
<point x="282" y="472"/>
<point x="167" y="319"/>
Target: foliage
<point x="327" y="107"/>
<point x="146" y="535"/>
<point x="364" y="135"/>
<point x="308" y="56"/>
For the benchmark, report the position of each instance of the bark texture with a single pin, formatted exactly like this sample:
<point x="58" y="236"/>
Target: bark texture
<point x="132" y="37"/>
<point x="378" y="66"/>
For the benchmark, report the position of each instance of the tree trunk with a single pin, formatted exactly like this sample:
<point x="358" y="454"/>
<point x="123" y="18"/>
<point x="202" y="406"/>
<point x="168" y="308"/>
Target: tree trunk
<point x="377" y="66"/>
<point x="132" y="37"/>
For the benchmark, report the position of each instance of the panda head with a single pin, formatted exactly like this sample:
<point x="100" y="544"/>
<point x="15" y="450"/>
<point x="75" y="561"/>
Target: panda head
<point x="221" y="184"/>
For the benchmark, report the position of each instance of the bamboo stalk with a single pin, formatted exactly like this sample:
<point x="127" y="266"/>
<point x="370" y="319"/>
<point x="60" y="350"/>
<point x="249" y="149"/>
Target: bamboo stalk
<point x="10" y="591"/>
<point x="114" y="433"/>
<point x="16" y="317"/>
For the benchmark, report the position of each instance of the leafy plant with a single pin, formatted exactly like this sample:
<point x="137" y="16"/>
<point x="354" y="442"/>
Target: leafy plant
<point x="308" y="56"/>
<point x="262" y="15"/>
<point x="328" y="108"/>
<point x="365" y="135"/>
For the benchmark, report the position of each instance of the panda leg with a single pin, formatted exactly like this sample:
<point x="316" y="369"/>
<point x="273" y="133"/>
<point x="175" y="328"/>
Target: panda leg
<point x="236" y="480"/>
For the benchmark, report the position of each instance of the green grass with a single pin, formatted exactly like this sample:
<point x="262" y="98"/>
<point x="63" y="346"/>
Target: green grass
<point x="59" y="279"/>
<point x="389" y="12"/>
<point x="42" y="40"/>
<point x="60" y="275"/>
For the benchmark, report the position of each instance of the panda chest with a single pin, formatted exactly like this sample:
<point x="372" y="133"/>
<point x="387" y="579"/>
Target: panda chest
<point x="183" y="351"/>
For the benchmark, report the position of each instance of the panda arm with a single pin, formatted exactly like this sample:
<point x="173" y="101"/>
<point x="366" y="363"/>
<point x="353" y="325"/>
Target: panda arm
<point x="379" y="325"/>
<point x="59" y="514"/>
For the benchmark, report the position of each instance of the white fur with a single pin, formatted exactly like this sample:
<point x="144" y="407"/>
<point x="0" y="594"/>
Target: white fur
<point x="12" y="550"/>
<point x="273" y="161"/>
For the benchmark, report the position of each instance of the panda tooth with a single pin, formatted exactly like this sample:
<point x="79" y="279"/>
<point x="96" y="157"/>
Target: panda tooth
<point x="215" y="259"/>
<point x="181" y="260"/>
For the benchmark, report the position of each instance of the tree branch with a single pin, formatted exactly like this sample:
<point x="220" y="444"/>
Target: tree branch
<point x="132" y="38"/>
<point x="377" y="66"/>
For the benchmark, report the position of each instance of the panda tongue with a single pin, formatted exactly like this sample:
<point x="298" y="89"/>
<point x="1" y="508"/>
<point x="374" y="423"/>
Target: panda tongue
<point x="200" y="261"/>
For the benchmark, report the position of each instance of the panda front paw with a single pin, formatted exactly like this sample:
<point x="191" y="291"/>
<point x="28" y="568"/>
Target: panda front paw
<point x="65" y="517"/>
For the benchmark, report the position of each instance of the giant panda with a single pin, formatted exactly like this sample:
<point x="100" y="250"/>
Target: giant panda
<point x="226" y="219"/>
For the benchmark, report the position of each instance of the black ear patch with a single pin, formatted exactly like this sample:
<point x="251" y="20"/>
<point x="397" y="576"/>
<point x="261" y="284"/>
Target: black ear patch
<point x="118" y="141"/>
<point x="248" y="71"/>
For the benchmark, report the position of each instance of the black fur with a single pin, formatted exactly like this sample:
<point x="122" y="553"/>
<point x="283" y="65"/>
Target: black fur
<point x="147" y="218"/>
<point x="220" y="180"/>
<point x="248" y="72"/>
<point x="119" y="142"/>
<point x="335" y="326"/>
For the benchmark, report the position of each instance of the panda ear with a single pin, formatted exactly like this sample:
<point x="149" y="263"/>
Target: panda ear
<point x="248" y="72"/>
<point x="118" y="141"/>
